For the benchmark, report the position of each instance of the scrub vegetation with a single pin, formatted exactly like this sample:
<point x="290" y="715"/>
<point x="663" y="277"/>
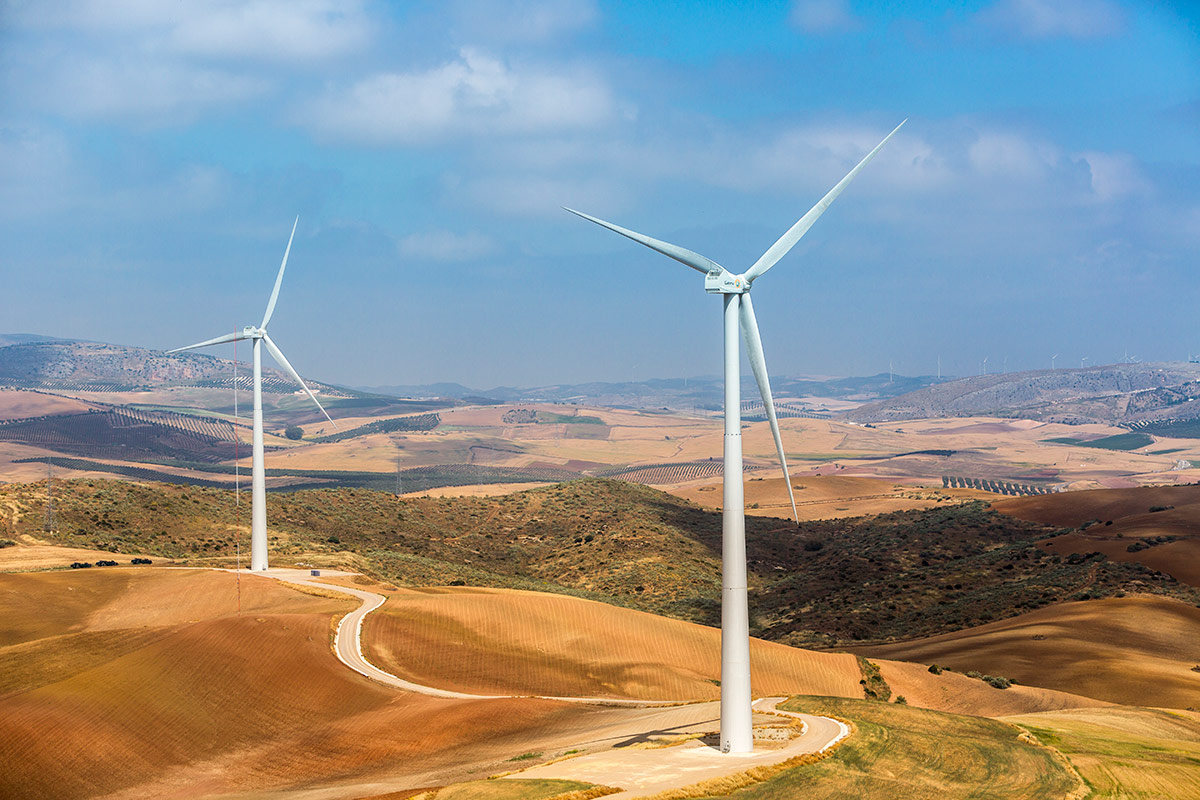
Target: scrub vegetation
<point x="899" y="575"/>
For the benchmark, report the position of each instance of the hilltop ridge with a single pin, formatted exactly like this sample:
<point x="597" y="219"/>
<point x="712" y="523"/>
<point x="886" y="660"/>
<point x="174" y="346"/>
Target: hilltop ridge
<point x="1126" y="394"/>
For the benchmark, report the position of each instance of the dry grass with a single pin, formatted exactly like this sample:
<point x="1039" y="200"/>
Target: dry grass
<point x="29" y="557"/>
<point x="959" y="694"/>
<point x="1090" y="648"/>
<point x="898" y="751"/>
<point x="142" y="681"/>
<point x="828" y="496"/>
<point x="731" y="783"/>
<point x="1126" y="752"/>
<point x="504" y="641"/>
<point x="20" y="405"/>
<point x="518" y="789"/>
<point x="1128" y="511"/>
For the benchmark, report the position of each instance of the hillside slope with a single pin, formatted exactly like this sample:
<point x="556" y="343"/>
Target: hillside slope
<point x="1115" y="393"/>
<point x="148" y="683"/>
<point x="824" y="584"/>
<point x="1158" y="526"/>
<point x="1132" y="650"/>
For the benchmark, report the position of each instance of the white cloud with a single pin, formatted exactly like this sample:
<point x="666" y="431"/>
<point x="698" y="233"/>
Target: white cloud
<point x="285" y="30"/>
<point x="823" y="16"/>
<point x="472" y="95"/>
<point x="1115" y="175"/>
<point x="1001" y="154"/>
<point x="126" y="87"/>
<point x="521" y="21"/>
<point x="166" y="63"/>
<point x="282" y="30"/>
<point x="441" y="245"/>
<point x="1041" y="19"/>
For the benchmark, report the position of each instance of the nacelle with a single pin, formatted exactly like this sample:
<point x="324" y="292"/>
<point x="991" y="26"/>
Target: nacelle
<point x="722" y="281"/>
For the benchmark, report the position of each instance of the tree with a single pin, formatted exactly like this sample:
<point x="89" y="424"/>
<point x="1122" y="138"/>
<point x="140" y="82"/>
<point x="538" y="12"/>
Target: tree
<point x="294" y="432"/>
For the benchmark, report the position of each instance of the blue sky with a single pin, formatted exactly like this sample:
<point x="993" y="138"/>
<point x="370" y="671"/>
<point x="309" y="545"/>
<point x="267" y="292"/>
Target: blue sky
<point x="1043" y="198"/>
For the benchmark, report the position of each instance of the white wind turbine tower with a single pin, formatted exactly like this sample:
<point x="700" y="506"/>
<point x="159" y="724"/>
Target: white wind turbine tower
<point x="258" y="481"/>
<point x="737" y="734"/>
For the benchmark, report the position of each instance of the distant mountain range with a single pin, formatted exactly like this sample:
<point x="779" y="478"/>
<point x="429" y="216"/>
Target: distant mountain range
<point x="43" y="362"/>
<point x="1145" y="396"/>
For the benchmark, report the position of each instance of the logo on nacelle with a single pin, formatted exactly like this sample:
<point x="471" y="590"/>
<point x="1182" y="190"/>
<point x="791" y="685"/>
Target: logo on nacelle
<point x="721" y="281"/>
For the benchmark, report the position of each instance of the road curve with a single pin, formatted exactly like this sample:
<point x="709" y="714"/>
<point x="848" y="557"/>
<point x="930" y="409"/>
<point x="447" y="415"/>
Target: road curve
<point x="825" y="732"/>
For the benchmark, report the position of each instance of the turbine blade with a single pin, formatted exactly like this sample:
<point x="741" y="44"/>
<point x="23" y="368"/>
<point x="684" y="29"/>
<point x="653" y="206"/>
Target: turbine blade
<point x="279" y="278"/>
<point x="223" y="339"/>
<point x="758" y="363"/>
<point x="789" y="239"/>
<point x="277" y="354"/>
<point x="681" y="254"/>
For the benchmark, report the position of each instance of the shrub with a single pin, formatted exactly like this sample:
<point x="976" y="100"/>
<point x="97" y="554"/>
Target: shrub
<point x="6" y="543"/>
<point x="935" y="669"/>
<point x="294" y="432"/>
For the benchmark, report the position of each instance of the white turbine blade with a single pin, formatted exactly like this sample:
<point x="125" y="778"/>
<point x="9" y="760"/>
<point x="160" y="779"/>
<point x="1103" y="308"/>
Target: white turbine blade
<point x="758" y="362"/>
<point x="279" y="278"/>
<point x="789" y="239"/>
<point x="681" y="254"/>
<point x="277" y="354"/>
<point x="223" y="339"/>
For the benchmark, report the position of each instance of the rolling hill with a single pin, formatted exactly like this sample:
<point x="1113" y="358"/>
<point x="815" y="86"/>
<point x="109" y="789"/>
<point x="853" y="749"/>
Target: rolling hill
<point x="1125" y="394"/>
<point x="149" y="682"/>
<point x="61" y="364"/>
<point x="1158" y="526"/>
<point x="1136" y="651"/>
<point x="827" y="583"/>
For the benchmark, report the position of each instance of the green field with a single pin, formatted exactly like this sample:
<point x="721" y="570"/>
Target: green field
<point x="1186" y="429"/>
<point x="1122" y="441"/>
<point x="550" y="418"/>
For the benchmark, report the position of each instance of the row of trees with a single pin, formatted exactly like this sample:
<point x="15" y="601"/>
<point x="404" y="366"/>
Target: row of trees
<point x="999" y="487"/>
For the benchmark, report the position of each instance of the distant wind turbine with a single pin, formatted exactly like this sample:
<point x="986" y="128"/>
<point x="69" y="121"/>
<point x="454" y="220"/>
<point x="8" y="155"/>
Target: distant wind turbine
<point x="1085" y="358"/>
<point x="736" y="730"/>
<point x="1052" y="359"/>
<point x="258" y="481"/>
<point x="983" y="366"/>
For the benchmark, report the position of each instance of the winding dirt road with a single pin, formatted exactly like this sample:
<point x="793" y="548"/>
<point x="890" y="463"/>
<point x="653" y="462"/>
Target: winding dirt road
<point x="637" y="772"/>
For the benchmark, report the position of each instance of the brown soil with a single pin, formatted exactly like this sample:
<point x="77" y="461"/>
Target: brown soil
<point x="1128" y="510"/>
<point x="492" y="641"/>
<point x="223" y="703"/>
<point x="28" y="557"/>
<point x="959" y="694"/>
<point x="827" y="496"/>
<point x="1131" y="650"/>
<point x="21" y="405"/>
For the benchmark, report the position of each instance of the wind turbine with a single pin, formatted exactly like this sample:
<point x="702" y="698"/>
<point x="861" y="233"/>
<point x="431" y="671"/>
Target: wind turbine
<point x="1052" y="359"/>
<point x="737" y="735"/>
<point x="258" y="481"/>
